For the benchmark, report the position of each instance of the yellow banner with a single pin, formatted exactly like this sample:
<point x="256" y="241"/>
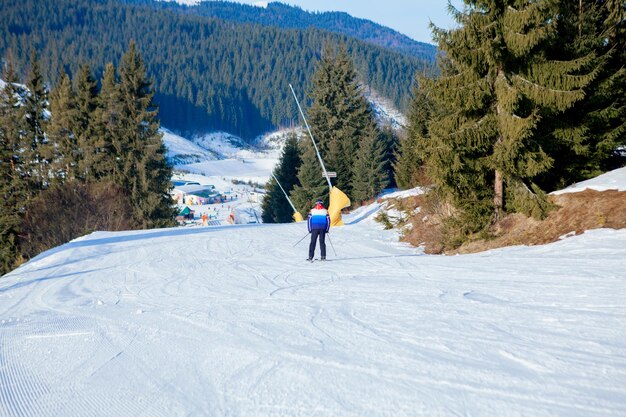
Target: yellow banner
<point x="338" y="201"/>
<point x="297" y="217"/>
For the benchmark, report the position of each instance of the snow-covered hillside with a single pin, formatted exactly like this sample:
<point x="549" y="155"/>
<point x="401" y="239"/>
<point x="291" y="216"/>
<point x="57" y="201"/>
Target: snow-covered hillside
<point x="232" y="321"/>
<point x="384" y="111"/>
<point x="225" y="156"/>
<point x="613" y="180"/>
<point x="186" y="2"/>
<point x="183" y="151"/>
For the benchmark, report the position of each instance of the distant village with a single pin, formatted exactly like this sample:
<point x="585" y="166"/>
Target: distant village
<point x="203" y="204"/>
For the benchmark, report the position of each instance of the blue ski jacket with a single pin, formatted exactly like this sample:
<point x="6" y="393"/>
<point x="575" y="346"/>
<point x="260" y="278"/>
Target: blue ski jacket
<point x="318" y="220"/>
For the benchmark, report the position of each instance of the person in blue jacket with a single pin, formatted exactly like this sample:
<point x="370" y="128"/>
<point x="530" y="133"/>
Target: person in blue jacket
<point x="319" y="224"/>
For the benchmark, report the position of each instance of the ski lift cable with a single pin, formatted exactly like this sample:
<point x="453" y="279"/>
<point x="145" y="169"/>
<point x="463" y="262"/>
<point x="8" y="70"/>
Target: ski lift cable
<point x="330" y="185"/>
<point x="284" y="192"/>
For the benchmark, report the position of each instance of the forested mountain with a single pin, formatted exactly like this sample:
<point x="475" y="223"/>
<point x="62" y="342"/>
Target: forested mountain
<point x="208" y="73"/>
<point x="286" y="16"/>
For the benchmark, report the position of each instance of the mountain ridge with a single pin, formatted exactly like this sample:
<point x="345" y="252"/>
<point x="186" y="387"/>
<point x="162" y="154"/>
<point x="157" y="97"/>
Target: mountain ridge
<point x="293" y="17"/>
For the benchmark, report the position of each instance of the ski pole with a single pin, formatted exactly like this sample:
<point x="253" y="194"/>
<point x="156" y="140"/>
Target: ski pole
<point x="332" y="246"/>
<point x="300" y="240"/>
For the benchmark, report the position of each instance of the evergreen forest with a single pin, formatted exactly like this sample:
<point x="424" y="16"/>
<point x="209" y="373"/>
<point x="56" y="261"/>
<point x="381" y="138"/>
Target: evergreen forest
<point x="292" y="17"/>
<point x="209" y="74"/>
<point x="79" y="158"/>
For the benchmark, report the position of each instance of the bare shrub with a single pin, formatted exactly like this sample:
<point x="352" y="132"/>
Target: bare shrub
<point x="65" y="212"/>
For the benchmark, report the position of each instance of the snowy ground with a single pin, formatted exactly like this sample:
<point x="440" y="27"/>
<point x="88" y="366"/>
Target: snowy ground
<point x="612" y="180"/>
<point x="232" y="321"/>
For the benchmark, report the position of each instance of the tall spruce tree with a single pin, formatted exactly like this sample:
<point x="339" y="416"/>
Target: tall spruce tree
<point x="313" y="185"/>
<point x="590" y="132"/>
<point x="145" y="172"/>
<point x="391" y="142"/>
<point x="90" y="145"/>
<point x="411" y="155"/>
<point x="498" y="83"/>
<point x="35" y="144"/>
<point x="370" y="175"/>
<point x="104" y="152"/>
<point x="339" y="113"/>
<point x="63" y="154"/>
<point x="11" y="184"/>
<point x="276" y="208"/>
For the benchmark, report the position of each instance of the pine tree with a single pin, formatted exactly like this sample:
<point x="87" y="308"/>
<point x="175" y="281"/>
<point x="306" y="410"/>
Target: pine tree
<point x="145" y="172"/>
<point x="104" y="152"/>
<point x="63" y="146"/>
<point x="497" y="84"/>
<point x="313" y="185"/>
<point x="370" y="176"/>
<point x="276" y="208"/>
<point x="11" y="185"/>
<point x="35" y="143"/>
<point x="339" y="114"/>
<point x="391" y="144"/>
<point x="411" y="155"/>
<point x="590" y="132"/>
<point x="85" y="127"/>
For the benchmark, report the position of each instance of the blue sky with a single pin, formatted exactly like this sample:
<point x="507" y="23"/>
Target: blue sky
<point x="410" y="17"/>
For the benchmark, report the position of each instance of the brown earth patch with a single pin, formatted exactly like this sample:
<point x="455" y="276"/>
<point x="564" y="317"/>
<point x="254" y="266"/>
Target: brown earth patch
<point x="576" y="212"/>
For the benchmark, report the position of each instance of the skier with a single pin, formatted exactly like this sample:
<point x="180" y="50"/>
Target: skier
<point x="318" y="224"/>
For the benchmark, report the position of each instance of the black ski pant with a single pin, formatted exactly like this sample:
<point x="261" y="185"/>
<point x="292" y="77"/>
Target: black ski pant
<point x="322" y="235"/>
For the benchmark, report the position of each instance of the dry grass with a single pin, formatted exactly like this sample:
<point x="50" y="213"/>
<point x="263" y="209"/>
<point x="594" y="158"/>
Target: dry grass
<point x="576" y="213"/>
<point x="426" y="228"/>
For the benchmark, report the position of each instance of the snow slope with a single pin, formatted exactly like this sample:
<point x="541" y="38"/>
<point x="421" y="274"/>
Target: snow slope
<point x="385" y="111"/>
<point x="231" y="321"/>
<point x="233" y="159"/>
<point x="183" y="151"/>
<point x="612" y="180"/>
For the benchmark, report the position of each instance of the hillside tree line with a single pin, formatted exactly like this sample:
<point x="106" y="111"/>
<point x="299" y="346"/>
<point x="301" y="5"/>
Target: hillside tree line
<point x="79" y="158"/>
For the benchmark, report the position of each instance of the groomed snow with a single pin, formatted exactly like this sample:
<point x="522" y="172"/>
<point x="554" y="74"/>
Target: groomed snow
<point x="232" y="321"/>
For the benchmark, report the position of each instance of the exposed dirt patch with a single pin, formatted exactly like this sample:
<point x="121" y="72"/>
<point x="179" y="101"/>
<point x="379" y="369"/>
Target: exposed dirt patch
<point x="576" y="213"/>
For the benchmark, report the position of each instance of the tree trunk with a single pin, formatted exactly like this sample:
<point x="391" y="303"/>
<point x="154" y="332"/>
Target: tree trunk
<point x="498" y="195"/>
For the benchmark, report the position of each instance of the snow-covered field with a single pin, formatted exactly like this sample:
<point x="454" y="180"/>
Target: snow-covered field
<point x="232" y="321"/>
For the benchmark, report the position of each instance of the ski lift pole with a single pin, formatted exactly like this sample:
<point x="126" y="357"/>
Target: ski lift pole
<point x="330" y="185"/>
<point x="284" y="192"/>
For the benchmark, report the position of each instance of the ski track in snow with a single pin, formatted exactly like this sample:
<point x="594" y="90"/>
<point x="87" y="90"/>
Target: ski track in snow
<point x="233" y="322"/>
